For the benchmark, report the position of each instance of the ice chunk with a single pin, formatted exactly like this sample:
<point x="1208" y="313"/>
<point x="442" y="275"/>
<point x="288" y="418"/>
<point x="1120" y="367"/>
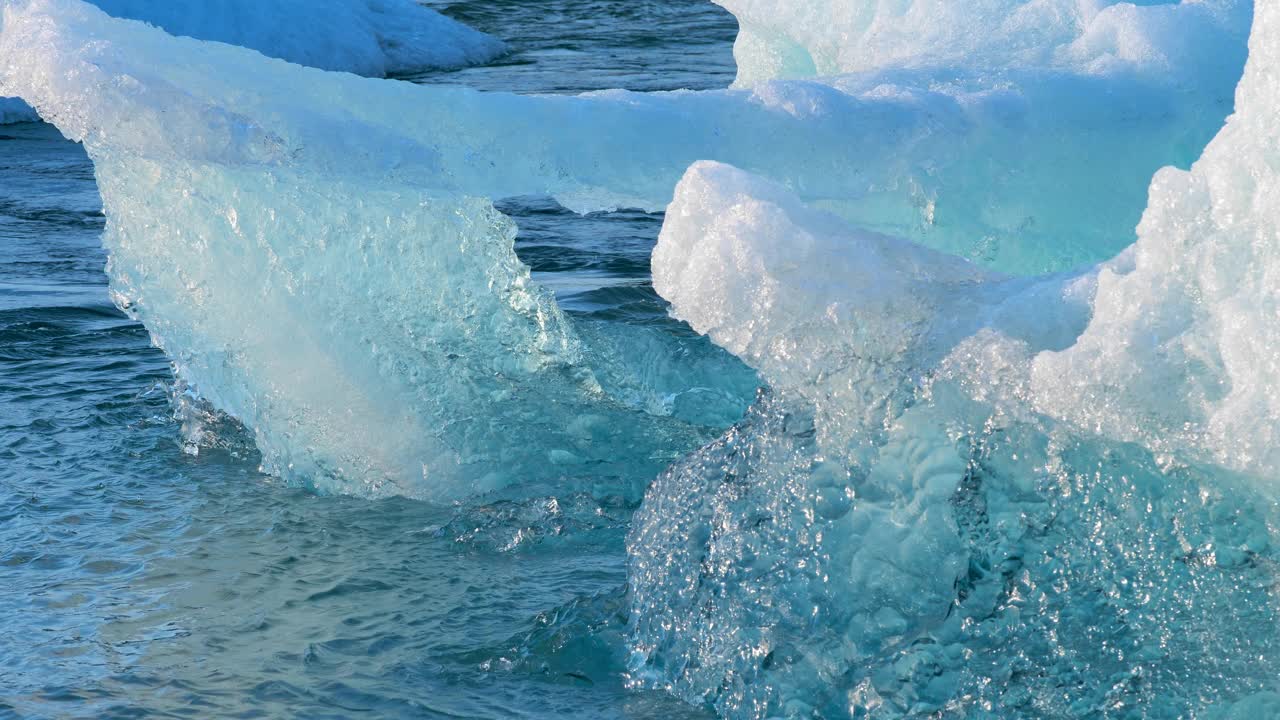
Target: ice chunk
<point x="1177" y="355"/>
<point x="982" y="565"/>
<point x="846" y="319"/>
<point x="377" y="335"/>
<point x="13" y="110"/>
<point x="1184" y="345"/>
<point x="992" y="167"/>
<point x="366" y="37"/>
<point x="972" y="494"/>
<point x="779" y="39"/>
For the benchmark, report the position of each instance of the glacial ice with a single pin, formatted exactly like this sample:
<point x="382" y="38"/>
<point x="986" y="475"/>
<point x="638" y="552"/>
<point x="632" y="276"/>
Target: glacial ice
<point x="312" y="269"/>
<point x="13" y="110"/>
<point x="373" y="38"/>
<point x="975" y="495"/>
<point x="367" y="37"/>
<point x="988" y="475"/>
<point x="782" y="39"/>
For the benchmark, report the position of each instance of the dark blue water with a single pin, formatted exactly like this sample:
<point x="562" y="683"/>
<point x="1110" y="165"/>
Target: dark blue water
<point x="146" y="571"/>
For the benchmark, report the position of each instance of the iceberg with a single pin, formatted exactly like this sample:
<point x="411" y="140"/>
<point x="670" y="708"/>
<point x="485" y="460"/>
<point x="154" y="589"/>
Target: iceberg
<point x="374" y="38"/>
<point x="779" y="39"/>
<point x="989" y="436"/>
<point x="960" y="481"/>
<point x="320" y="273"/>
<point x="317" y="254"/>
<point x="13" y="110"/>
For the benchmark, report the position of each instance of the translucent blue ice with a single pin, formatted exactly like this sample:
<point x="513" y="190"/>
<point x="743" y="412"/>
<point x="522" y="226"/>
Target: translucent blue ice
<point x="974" y="495"/>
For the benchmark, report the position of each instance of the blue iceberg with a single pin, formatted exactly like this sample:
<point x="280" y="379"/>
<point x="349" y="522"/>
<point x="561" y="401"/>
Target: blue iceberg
<point x="971" y="494"/>
<point x="1009" y="459"/>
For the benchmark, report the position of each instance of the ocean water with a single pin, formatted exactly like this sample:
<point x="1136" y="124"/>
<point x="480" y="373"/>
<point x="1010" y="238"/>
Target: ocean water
<point x="147" y="567"/>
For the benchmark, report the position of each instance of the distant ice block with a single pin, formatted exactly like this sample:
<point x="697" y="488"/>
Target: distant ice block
<point x="782" y="39"/>
<point x="367" y="37"/>
<point x="13" y="110"/>
<point x="973" y="494"/>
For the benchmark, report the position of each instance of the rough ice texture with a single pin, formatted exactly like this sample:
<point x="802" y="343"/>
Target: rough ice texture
<point x="366" y="37"/>
<point x="246" y="195"/>
<point x="846" y="319"/>
<point x="1184" y="346"/>
<point x="971" y="495"/>
<point x="781" y="39"/>
<point x="312" y="275"/>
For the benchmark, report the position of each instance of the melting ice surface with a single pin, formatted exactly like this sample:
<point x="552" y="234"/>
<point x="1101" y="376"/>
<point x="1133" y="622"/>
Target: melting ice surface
<point x="970" y="488"/>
